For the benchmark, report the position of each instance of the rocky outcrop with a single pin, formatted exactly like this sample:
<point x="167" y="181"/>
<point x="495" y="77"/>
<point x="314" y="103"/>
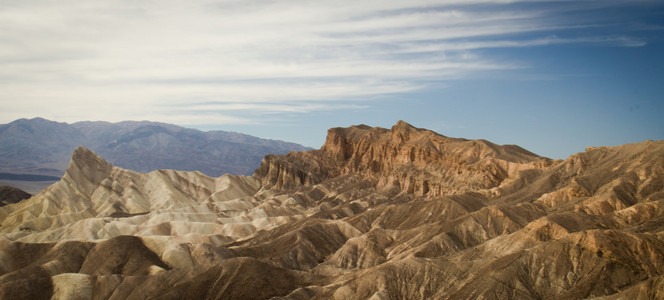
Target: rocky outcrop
<point x="293" y="170"/>
<point x="9" y="195"/>
<point x="86" y="170"/>
<point x="413" y="160"/>
<point x="353" y="220"/>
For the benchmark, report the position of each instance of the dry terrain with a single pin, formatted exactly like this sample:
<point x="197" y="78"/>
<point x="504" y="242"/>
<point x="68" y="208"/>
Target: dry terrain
<point x="400" y="213"/>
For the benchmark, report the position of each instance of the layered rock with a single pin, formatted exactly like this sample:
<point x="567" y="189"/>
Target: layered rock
<point x="95" y="200"/>
<point x="375" y="213"/>
<point x="413" y="160"/>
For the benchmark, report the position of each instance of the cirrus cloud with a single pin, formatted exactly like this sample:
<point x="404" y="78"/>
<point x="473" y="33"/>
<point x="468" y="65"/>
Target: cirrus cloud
<point x="204" y="62"/>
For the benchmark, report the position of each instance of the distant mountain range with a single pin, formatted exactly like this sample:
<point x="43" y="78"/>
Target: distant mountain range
<point x="43" y="147"/>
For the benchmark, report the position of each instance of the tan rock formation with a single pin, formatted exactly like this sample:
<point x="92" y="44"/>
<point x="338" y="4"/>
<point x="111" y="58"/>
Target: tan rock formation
<point x="375" y="213"/>
<point x="411" y="159"/>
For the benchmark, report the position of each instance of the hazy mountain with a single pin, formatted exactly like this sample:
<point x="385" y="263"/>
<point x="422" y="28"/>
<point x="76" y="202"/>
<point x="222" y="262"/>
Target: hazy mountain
<point x="400" y="213"/>
<point x="42" y="147"/>
<point x="37" y="146"/>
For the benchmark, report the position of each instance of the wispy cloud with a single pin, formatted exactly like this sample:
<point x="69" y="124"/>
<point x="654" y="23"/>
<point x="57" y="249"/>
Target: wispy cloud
<point x="234" y="61"/>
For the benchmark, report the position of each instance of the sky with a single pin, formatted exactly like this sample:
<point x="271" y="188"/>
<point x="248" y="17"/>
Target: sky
<point x="554" y="77"/>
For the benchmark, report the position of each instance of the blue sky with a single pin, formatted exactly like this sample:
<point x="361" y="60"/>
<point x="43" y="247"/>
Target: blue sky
<point x="552" y="76"/>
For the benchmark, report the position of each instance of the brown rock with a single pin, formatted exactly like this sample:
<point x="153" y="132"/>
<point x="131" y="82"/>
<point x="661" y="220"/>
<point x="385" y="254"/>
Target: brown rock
<point x="9" y="195"/>
<point x="414" y="160"/>
<point x="374" y="214"/>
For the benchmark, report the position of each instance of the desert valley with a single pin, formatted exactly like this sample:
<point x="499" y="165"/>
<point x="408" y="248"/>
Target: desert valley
<point x="210" y="149"/>
<point x="399" y="213"/>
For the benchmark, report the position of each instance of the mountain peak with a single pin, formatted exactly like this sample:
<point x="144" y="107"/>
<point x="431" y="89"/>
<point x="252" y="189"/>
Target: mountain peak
<point x="402" y="125"/>
<point x="83" y="154"/>
<point x="36" y="121"/>
<point x="403" y="131"/>
<point x="86" y="169"/>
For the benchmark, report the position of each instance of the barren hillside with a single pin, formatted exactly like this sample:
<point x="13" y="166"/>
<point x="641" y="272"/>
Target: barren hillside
<point x="400" y="213"/>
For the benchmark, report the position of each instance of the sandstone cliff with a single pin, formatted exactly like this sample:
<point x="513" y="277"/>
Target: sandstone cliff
<point x="410" y="159"/>
<point x="402" y="213"/>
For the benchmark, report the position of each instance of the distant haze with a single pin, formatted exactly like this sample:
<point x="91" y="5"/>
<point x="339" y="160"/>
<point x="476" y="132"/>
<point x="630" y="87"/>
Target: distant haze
<point x="39" y="150"/>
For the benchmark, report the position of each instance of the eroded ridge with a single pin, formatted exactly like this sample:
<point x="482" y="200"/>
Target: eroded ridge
<point x="375" y="213"/>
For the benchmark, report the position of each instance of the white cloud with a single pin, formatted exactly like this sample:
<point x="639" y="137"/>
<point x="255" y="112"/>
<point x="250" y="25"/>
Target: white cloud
<point x="114" y="60"/>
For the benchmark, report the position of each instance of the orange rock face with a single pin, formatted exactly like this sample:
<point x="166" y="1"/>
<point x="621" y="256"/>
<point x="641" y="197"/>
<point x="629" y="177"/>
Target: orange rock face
<point x="410" y="159"/>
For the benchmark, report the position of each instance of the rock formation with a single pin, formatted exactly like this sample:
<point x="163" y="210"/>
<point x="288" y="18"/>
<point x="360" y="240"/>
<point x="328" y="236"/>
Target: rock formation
<point x="9" y="194"/>
<point x="375" y="213"/>
<point x="414" y="160"/>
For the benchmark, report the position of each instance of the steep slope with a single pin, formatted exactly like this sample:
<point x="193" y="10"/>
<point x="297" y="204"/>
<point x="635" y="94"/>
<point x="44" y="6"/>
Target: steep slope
<point x="375" y="213"/>
<point x="509" y="224"/>
<point x="95" y="200"/>
<point x="410" y="159"/>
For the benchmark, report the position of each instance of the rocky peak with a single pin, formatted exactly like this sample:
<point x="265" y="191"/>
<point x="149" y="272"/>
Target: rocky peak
<point x="86" y="169"/>
<point x="86" y="161"/>
<point x="412" y="159"/>
<point x="342" y="143"/>
<point x="403" y="131"/>
<point x="403" y="125"/>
